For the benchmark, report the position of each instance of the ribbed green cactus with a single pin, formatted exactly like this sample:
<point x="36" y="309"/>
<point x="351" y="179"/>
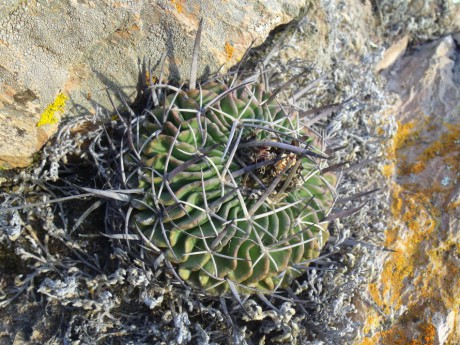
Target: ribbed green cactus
<point x="234" y="189"/>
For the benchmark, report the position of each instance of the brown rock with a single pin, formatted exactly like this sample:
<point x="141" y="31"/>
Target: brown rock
<point x="20" y="138"/>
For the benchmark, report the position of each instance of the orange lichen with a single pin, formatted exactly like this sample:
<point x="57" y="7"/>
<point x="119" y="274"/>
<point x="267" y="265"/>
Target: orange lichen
<point x="396" y="201"/>
<point x="179" y="6"/>
<point x="411" y="168"/>
<point x="397" y="336"/>
<point x="452" y="206"/>
<point x="388" y="170"/>
<point x="374" y="293"/>
<point x="421" y="275"/>
<point x="229" y="50"/>
<point x="428" y="333"/>
<point x="424" y="335"/>
<point x="126" y="32"/>
<point x="447" y="146"/>
<point x="405" y="135"/>
<point x="416" y="214"/>
<point x="367" y="341"/>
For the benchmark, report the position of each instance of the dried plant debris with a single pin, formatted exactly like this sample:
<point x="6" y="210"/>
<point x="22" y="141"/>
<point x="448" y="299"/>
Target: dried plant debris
<point x="70" y="220"/>
<point x="422" y="20"/>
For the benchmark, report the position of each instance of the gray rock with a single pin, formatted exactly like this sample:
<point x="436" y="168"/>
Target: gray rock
<point x="416" y="288"/>
<point x="79" y="48"/>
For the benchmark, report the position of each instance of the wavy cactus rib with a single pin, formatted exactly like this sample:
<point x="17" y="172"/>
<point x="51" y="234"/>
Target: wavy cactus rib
<point x="234" y="192"/>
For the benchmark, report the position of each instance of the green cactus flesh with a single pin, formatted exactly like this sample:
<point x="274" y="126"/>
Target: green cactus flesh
<point x="232" y="196"/>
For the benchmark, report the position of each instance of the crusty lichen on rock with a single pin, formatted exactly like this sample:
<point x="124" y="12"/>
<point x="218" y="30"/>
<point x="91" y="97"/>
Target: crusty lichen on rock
<point x="48" y="117"/>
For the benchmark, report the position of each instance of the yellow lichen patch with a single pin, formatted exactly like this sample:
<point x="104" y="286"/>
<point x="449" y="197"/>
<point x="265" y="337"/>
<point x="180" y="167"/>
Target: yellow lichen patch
<point x="405" y="135"/>
<point x="413" y="211"/>
<point x="452" y="206"/>
<point x="374" y="293"/>
<point x="445" y="272"/>
<point x="229" y="50"/>
<point x="388" y="170"/>
<point x="179" y="5"/>
<point x="48" y="117"/>
<point x="396" y="203"/>
<point x="447" y="147"/>
<point x="367" y="341"/>
<point x="401" y="273"/>
<point x="428" y="332"/>
<point x="415" y="168"/>
<point x="422" y="276"/>
<point x="149" y="81"/>
<point x="424" y="334"/>
<point x="380" y="131"/>
<point x="396" y="336"/>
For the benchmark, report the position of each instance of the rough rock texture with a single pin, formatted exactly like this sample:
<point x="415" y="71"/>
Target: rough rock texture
<point x="333" y="43"/>
<point x="81" y="48"/>
<point x="417" y="292"/>
<point x="413" y="296"/>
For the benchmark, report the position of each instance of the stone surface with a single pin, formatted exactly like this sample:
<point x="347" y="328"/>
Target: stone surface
<point x="393" y="53"/>
<point x="415" y="298"/>
<point x="417" y="292"/>
<point x="81" y="48"/>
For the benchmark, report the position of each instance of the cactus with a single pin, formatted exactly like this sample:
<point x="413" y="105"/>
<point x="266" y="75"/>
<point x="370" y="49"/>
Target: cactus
<point x="235" y="188"/>
<point x="234" y="192"/>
